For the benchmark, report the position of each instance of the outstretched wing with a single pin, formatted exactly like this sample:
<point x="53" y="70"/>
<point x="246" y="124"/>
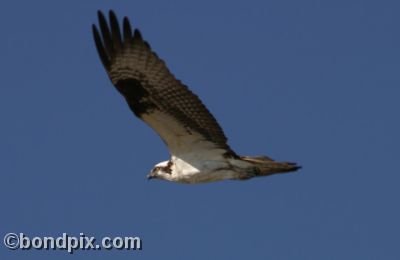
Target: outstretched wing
<point x="153" y="93"/>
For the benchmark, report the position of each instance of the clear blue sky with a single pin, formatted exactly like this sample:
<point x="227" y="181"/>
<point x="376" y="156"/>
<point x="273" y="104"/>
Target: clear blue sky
<point x="315" y="82"/>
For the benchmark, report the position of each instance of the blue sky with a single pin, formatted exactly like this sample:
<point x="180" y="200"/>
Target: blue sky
<point x="315" y="82"/>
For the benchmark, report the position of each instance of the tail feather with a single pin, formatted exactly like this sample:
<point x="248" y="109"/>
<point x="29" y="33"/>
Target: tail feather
<point x="265" y="166"/>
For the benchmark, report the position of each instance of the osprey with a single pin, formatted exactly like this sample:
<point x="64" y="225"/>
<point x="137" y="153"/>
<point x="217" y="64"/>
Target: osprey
<point x="198" y="146"/>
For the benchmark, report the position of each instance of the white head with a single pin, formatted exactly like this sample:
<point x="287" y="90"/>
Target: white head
<point x="162" y="170"/>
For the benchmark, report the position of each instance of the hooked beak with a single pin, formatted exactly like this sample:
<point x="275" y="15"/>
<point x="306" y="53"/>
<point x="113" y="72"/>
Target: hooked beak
<point x="150" y="176"/>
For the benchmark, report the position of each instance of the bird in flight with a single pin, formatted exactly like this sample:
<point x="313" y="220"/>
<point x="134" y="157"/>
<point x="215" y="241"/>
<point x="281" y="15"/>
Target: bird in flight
<point x="197" y="144"/>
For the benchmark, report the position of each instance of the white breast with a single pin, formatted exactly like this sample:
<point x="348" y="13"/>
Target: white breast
<point x="201" y="171"/>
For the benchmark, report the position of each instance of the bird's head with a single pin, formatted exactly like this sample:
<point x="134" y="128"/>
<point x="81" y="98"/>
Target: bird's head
<point x="161" y="170"/>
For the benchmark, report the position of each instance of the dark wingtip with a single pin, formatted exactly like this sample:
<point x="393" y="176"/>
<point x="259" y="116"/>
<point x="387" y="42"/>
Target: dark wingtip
<point x="111" y="13"/>
<point x="109" y="37"/>
<point x="137" y="35"/>
<point x="100" y="48"/>
<point x="294" y="166"/>
<point x="127" y="29"/>
<point x="102" y="19"/>
<point x="147" y="45"/>
<point x="115" y="31"/>
<point x="100" y="15"/>
<point x="112" y="16"/>
<point x="297" y="167"/>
